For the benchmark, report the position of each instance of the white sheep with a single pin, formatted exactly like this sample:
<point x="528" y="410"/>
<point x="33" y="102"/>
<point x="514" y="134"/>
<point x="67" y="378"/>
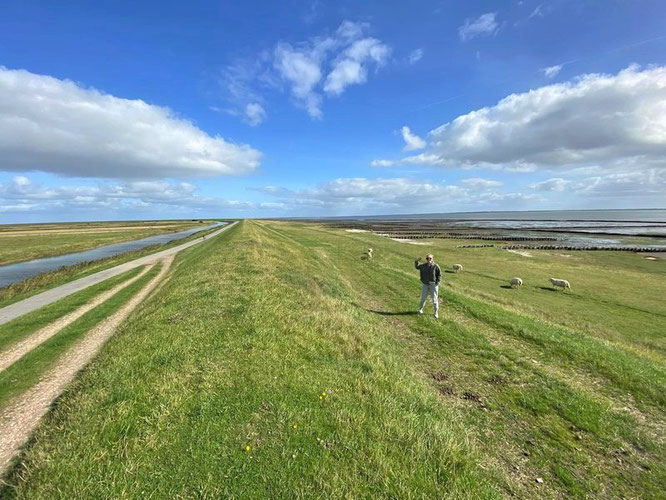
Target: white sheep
<point x="516" y="282"/>
<point x="367" y="254"/>
<point x="564" y="284"/>
<point x="457" y="268"/>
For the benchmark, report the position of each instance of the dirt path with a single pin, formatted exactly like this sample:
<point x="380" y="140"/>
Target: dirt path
<point x="22" y="414"/>
<point x="20" y="349"/>
<point x="42" y="299"/>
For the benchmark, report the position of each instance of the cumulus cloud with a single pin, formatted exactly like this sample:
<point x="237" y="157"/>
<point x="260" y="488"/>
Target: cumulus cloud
<point x="412" y="141"/>
<point x="301" y="68"/>
<point x="552" y="71"/>
<point x="479" y="183"/>
<point x="255" y="113"/>
<point x="382" y="163"/>
<point x="485" y="25"/>
<point x="153" y="197"/>
<point x="557" y="184"/>
<point x="58" y="126"/>
<point x="309" y="69"/>
<point x="415" y="56"/>
<point x="352" y="66"/>
<point x="614" y="120"/>
<point x="362" y="195"/>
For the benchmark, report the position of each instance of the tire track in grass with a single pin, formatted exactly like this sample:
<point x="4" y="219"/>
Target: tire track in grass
<point x="22" y="415"/>
<point x="20" y="349"/>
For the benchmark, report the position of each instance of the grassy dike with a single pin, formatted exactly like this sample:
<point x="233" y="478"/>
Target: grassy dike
<point x="274" y="362"/>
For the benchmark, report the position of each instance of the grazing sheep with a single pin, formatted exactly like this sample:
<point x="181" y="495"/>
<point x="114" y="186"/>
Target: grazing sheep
<point x="457" y="268"/>
<point x="564" y="284"/>
<point x="367" y="254"/>
<point x="516" y="282"/>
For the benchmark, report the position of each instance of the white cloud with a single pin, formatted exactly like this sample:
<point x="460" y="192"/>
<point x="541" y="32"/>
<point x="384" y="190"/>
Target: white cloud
<point x="557" y="184"/>
<point x="412" y="141"/>
<point x="153" y="197"/>
<point x="352" y="66"/>
<point x="308" y="69"/>
<point x="255" y="113"/>
<point x="301" y="68"/>
<point x="58" y="126"/>
<point x="552" y="71"/>
<point x="485" y="25"/>
<point x="382" y="163"/>
<point x="479" y="183"/>
<point x="537" y="12"/>
<point x="415" y="56"/>
<point x="610" y="119"/>
<point x="362" y="195"/>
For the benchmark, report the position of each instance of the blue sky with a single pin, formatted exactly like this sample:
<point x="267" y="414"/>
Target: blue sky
<point x="311" y="108"/>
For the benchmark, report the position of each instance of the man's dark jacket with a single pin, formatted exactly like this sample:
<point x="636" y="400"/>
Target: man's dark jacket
<point x="430" y="272"/>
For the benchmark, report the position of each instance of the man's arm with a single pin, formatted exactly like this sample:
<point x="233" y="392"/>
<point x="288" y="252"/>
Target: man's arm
<point x="438" y="275"/>
<point x="416" y="262"/>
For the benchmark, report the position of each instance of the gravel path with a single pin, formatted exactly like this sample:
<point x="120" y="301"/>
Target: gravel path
<point x="22" y="414"/>
<point x="20" y="349"/>
<point x="42" y="299"/>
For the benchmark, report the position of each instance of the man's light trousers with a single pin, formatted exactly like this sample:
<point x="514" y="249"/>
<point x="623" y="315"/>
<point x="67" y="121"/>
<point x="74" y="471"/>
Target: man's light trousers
<point x="429" y="289"/>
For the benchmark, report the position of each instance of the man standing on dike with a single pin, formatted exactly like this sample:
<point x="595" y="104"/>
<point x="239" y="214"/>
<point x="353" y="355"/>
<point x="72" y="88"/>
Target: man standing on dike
<point x="430" y="277"/>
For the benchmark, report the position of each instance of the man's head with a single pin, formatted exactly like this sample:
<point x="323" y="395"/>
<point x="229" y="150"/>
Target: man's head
<point x="429" y="258"/>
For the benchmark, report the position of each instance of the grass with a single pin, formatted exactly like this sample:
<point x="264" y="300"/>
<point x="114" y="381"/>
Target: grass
<point x="276" y="363"/>
<point x="32" y="286"/>
<point x="22" y="243"/>
<point x="28" y="370"/>
<point x="19" y="328"/>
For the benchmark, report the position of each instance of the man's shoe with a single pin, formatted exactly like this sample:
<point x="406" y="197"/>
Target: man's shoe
<point x="436" y="315"/>
<point x="420" y="311"/>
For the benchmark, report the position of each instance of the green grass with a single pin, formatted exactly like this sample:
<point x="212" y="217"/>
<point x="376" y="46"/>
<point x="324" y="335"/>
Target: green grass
<point x="27" y="371"/>
<point x="19" y="244"/>
<point x="254" y="326"/>
<point x="19" y="328"/>
<point x="32" y="286"/>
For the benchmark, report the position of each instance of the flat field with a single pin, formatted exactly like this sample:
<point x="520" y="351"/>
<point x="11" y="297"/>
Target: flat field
<point x="275" y="362"/>
<point x="22" y="242"/>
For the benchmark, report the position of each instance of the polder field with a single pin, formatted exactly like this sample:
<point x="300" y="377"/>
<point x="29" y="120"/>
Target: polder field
<point x="275" y="362"/>
<point x="22" y="242"/>
<point x="44" y="238"/>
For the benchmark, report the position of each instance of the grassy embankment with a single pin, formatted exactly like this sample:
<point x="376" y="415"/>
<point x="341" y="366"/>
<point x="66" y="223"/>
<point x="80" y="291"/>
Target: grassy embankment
<point x="28" y="370"/>
<point x="277" y="363"/>
<point x="19" y="291"/>
<point x="22" y="243"/>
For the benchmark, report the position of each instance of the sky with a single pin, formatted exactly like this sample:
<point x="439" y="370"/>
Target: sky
<point x="158" y="110"/>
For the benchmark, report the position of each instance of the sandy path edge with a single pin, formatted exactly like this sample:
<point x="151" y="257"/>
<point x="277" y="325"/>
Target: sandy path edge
<point x="22" y="414"/>
<point x="42" y="299"/>
<point x="16" y="351"/>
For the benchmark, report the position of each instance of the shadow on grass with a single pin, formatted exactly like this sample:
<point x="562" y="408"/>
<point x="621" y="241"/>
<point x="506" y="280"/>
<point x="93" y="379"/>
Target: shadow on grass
<point x="548" y="288"/>
<point x="508" y="287"/>
<point x="449" y="271"/>
<point x="391" y="313"/>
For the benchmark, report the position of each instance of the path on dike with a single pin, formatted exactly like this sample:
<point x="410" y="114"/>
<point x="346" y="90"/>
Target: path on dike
<point x="21" y="415"/>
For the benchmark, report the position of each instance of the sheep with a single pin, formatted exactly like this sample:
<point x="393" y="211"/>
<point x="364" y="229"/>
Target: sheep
<point x="564" y="284"/>
<point x="367" y="254"/>
<point x="516" y="282"/>
<point x="457" y="268"/>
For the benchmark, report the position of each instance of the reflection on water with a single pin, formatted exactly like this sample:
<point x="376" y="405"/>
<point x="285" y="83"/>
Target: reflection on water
<point x="13" y="273"/>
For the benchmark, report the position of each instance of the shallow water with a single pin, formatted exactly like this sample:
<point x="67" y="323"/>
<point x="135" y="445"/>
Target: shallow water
<point x="14" y="273"/>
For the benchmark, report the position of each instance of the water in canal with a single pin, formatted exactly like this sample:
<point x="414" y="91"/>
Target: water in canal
<point x="13" y="273"/>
